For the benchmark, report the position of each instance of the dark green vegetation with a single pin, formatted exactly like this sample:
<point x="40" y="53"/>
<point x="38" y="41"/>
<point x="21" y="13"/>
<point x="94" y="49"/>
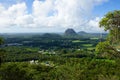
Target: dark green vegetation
<point x="25" y="47"/>
<point x="59" y="68"/>
<point x="84" y="56"/>
<point x="1" y="51"/>
<point x="51" y="41"/>
<point x="111" y="22"/>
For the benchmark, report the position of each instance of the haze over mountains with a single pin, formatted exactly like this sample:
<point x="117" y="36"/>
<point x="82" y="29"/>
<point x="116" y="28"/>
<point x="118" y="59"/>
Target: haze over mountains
<point x="67" y="33"/>
<point x="70" y="31"/>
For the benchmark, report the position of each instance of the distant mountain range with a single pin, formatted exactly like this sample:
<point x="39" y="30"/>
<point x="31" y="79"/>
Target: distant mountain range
<point x="82" y="32"/>
<point x="71" y="32"/>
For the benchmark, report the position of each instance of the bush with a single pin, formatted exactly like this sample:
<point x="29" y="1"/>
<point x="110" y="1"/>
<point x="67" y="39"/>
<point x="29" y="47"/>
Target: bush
<point x="102" y="47"/>
<point x="13" y="71"/>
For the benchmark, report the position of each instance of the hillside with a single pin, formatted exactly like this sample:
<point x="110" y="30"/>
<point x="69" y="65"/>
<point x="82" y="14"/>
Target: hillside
<point x="70" y="32"/>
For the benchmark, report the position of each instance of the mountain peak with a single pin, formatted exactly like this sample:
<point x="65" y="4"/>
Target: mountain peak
<point x="82" y="32"/>
<point x="70" y="31"/>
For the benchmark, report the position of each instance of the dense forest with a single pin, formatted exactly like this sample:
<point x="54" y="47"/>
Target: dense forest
<point x="50" y="56"/>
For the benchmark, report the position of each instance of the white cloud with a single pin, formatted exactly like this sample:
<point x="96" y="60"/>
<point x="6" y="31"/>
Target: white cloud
<point x="94" y="25"/>
<point x="8" y="16"/>
<point x="51" y="13"/>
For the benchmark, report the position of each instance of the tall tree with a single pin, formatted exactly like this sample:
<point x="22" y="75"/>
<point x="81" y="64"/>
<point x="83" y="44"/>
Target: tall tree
<point x="1" y="51"/>
<point x="111" y="22"/>
<point x="1" y="41"/>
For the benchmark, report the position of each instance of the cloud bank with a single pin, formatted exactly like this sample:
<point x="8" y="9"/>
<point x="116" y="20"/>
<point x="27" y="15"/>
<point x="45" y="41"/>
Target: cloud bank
<point x="51" y="14"/>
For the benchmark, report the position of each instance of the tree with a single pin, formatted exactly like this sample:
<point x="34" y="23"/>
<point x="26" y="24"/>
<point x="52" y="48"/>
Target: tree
<point x="14" y="71"/>
<point x="1" y="51"/>
<point x="1" y="41"/>
<point x="102" y="47"/>
<point x="111" y="22"/>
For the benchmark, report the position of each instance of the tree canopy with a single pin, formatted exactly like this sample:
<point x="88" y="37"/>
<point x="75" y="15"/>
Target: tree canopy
<point x="111" y="22"/>
<point x="1" y="51"/>
<point x="1" y="41"/>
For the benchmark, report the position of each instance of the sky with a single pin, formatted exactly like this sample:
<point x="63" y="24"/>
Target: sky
<point x="32" y="16"/>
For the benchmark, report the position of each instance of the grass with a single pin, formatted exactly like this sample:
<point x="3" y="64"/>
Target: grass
<point x="91" y="48"/>
<point x="77" y="41"/>
<point x="94" y="38"/>
<point x="106" y="60"/>
<point x="87" y="45"/>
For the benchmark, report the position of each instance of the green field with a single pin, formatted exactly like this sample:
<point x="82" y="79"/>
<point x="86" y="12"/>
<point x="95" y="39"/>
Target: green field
<point x="94" y="38"/>
<point x="87" y="45"/>
<point x="77" y="41"/>
<point x="91" y="48"/>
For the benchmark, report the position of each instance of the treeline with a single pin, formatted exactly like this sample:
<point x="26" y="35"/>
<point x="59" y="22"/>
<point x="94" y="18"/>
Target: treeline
<point x="63" y="69"/>
<point x="52" y="42"/>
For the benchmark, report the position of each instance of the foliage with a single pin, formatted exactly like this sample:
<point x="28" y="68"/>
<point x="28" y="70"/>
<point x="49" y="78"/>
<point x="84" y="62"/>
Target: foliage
<point x="70" y="69"/>
<point x="102" y="47"/>
<point x="2" y="56"/>
<point x="111" y="22"/>
<point x="1" y="51"/>
<point x="21" y="53"/>
<point x="12" y="71"/>
<point x="1" y="41"/>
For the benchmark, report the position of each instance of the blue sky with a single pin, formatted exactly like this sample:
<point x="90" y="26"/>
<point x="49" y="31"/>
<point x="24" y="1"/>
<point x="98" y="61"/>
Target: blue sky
<point x="18" y="16"/>
<point x="102" y="9"/>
